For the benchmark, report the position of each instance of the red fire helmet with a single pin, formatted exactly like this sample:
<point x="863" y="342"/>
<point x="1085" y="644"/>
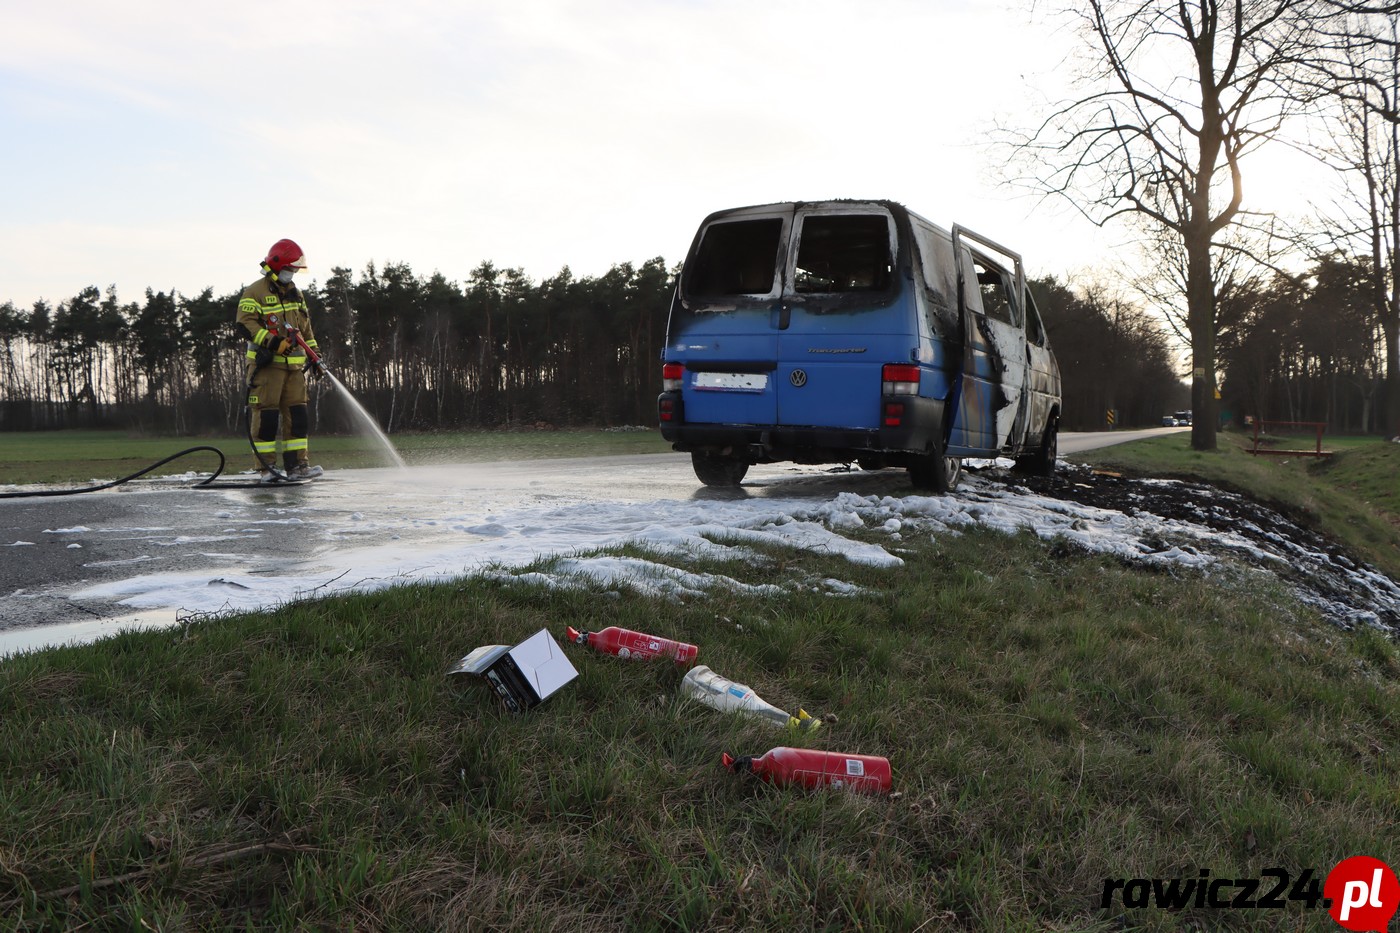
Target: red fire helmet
<point x="285" y="254"/>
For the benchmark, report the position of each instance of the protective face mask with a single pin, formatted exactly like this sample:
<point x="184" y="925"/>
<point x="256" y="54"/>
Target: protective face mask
<point x="285" y="275"/>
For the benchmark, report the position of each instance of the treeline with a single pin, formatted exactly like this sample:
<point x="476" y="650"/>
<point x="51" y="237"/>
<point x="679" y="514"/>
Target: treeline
<point x="1307" y="348"/>
<point x="418" y="353"/>
<point x="1304" y="347"/>
<point x="503" y="350"/>
<point x="1113" y="356"/>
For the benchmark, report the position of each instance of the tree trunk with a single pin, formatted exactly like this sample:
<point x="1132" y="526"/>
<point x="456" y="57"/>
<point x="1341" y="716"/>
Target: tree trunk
<point x="1389" y="421"/>
<point x="1200" y="318"/>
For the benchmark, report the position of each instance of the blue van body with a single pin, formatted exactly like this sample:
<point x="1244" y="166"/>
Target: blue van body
<point x="854" y="331"/>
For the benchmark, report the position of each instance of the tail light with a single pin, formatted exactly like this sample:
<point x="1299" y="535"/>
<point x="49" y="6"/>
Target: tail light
<point x="671" y="375"/>
<point x="900" y="379"/>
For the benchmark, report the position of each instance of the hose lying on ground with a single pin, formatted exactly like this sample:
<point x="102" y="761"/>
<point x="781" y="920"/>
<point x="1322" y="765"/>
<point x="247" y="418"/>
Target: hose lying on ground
<point x="124" y="479"/>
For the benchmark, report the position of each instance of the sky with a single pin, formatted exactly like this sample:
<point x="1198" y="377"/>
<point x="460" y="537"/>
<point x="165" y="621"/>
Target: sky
<point x="166" y="145"/>
<point x="436" y="529"/>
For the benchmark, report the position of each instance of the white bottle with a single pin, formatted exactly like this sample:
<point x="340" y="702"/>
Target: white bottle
<point x="707" y="687"/>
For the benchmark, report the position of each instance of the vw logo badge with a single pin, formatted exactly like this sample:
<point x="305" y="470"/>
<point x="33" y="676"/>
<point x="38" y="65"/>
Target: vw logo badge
<point x="798" y="378"/>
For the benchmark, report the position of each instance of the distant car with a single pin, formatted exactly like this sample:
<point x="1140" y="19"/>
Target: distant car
<point x="1168" y="421"/>
<point x="1183" y="417"/>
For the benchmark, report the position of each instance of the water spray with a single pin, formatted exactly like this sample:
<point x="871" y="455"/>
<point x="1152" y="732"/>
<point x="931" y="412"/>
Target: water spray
<point x="317" y="368"/>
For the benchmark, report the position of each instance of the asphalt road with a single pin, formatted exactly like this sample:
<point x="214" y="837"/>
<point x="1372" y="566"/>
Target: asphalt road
<point x="51" y="548"/>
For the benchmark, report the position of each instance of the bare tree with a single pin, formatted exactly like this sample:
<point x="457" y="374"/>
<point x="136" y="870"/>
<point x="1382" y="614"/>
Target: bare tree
<point x="1175" y="95"/>
<point x="1383" y="9"/>
<point x="1242" y="257"/>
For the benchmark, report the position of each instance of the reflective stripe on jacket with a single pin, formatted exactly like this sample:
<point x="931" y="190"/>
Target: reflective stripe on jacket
<point x="259" y="303"/>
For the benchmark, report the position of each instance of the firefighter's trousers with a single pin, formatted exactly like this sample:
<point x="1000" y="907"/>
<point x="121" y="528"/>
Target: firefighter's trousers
<point x="277" y="402"/>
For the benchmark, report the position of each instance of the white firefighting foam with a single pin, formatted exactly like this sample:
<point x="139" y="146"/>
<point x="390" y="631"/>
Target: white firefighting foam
<point x="556" y="541"/>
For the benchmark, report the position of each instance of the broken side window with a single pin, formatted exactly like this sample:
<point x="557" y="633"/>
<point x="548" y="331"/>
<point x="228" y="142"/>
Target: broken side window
<point x="843" y="253"/>
<point x="736" y="258"/>
<point x="996" y="296"/>
<point x="1035" y="330"/>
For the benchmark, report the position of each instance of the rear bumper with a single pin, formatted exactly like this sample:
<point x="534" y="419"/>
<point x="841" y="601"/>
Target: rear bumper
<point x="920" y="424"/>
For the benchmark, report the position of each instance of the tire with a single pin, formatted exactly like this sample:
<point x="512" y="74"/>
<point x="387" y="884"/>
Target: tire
<point x="1042" y="462"/>
<point x="715" y="470"/>
<point x="934" y="472"/>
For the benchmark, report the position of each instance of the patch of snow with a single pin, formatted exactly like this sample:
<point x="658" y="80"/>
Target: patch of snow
<point x="646" y="577"/>
<point x="841" y="587"/>
<point x="560" y="540"/>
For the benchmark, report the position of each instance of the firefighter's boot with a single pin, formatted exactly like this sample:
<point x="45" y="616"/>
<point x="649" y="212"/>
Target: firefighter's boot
<point x="298" y="468"/>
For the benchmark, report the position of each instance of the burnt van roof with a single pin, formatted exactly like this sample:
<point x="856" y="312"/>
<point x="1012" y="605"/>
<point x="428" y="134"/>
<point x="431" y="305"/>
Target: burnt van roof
<point x="894" y="207"/>
<point x="793" y="205"/>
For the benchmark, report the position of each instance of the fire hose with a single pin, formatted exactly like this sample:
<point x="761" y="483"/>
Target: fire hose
<point x="124" y="479"/>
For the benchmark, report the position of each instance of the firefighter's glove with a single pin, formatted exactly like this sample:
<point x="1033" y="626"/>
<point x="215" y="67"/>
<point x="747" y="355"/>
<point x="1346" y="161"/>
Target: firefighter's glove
<point x="281" y="345"/>
<point x="315" y="370"/>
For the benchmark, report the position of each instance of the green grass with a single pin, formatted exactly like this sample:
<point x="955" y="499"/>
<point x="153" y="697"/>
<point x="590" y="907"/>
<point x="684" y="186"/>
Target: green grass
<point x="1053" y="720"/>
<point x="80" y="456"/>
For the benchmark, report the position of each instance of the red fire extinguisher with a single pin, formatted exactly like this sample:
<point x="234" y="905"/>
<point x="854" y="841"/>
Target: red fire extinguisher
<point x="639" y="646"/>
<point x="807" y="767"/>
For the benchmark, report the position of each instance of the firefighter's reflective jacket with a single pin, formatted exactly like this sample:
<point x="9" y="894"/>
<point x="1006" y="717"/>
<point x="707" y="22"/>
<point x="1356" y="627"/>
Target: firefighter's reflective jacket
<point x="265" y="311"/>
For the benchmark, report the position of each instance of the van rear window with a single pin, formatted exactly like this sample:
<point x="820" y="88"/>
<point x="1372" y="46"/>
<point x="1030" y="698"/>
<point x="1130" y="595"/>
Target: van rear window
<point x="738" y="257"/>
<point x="843" y="253"/>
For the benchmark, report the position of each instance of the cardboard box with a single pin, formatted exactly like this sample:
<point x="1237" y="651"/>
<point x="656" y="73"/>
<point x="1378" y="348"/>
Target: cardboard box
<point x="524" y="675"/>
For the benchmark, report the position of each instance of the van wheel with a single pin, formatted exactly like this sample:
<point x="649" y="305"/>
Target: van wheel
<point x="714" y="470"/>
<point x="935" y="472"/>
<point x="1042" y="462"/>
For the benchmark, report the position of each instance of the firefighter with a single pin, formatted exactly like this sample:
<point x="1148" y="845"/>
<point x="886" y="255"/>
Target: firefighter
<point x="272" y="313"/>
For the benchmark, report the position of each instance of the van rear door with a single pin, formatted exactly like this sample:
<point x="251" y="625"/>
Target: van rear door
<point x="725" y="330"/>
<point x="840" y="319"/>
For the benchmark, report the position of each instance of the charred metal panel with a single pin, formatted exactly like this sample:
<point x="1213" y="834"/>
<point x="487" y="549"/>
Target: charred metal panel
<point x="1043" y="376"/>
<point x="936" y="273"/>
<point x="991" y="413"/>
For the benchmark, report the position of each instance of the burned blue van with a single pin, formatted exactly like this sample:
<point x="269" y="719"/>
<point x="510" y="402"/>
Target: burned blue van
<point x="854" y="332"/>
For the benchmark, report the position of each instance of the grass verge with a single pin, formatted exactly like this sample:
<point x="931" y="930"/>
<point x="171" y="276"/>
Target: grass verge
<point x="80" y="456"/>
<point x="1053" y="720"/>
